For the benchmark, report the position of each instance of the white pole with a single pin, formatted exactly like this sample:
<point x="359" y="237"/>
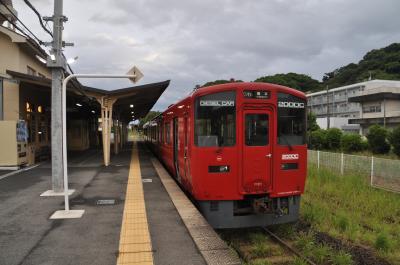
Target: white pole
<point x="318" y="159"/>
<point x="342" y="164"/>
<point x="372" y="170"/>
<point x="64" y="124"/>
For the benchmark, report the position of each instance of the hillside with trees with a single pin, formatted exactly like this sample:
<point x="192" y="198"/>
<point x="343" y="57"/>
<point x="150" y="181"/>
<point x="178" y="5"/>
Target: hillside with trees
<point x="300" y="82"/>
<point x="381" y="63"/>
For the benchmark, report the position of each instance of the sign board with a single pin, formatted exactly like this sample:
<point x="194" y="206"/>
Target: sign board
<point x="136" y="74"/>
<point x="217" y="103"/>
<point x="257" y="94"/>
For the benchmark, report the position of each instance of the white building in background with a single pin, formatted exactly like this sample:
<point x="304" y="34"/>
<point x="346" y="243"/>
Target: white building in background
<point x="379" y="105"/>
<point x="341" y="109"/>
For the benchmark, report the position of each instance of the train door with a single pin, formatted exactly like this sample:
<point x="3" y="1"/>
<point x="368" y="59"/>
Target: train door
<point x="176" y="147"/>
<point x="185" y="148"/>
<point x="257" y="150"/>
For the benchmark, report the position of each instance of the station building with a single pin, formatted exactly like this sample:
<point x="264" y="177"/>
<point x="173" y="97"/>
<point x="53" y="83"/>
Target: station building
<point x="95" y="118"/>
<point x="344" y="107"/>
<point x="380" y="105"/>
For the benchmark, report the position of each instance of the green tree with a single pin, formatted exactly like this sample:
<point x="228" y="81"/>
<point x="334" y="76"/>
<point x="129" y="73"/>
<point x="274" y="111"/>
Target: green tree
<point x="312" y="124"/>
<point x="219" y="82"/>
<point x="297" y="81"/>
<point x="377" y="139"/>
<point x="151" y="115"/>
<point x="381" y="63"/>
<point x="333" y="138"/>
<point x="394" y="139"/>
<point x="351" y="142"/>
<point x="317" y="139"/>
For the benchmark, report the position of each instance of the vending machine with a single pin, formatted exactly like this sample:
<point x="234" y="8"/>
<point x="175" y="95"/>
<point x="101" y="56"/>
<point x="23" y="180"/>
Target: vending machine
<point x="13" y="143"/>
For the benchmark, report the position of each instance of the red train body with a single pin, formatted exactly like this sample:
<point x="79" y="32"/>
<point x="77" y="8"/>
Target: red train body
<point x="239" y="149"/>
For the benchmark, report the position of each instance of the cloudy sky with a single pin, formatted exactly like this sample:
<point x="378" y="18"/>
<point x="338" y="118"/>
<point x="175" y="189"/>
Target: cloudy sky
<point x="194" y="41"/>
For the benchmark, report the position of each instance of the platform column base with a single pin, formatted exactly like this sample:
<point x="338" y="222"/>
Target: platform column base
<point x="51" y="193"/>
<point x="70" y="214"/>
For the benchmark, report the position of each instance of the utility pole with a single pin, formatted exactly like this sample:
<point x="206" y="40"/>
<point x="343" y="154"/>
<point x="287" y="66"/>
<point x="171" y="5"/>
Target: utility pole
<point x="328" y="120"/>
<point x="57" y="63"/>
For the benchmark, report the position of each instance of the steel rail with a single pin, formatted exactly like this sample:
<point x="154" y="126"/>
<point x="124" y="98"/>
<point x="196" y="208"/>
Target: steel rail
<point x="287" y="246"/>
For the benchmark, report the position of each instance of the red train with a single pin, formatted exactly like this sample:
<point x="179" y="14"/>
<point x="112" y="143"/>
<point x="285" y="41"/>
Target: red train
<point x="239" y="149"/>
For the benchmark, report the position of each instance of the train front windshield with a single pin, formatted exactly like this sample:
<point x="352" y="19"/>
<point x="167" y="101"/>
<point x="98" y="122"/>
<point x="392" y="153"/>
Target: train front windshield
<point x="215" y="120"/>
<point x="291" y="120"/>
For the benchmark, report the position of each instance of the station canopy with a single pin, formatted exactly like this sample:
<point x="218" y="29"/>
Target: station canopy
<point x="137" y="99"/>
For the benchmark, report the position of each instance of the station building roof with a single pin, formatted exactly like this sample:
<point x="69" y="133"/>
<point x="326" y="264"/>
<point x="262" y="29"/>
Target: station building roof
<point x="137" y="99"/>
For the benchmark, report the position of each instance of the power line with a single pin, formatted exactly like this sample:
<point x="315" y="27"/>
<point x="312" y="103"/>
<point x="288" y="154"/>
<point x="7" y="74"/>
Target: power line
<point x="40" y="41"/>
<point x="39" y="16"/>
<point x="23" y="33"/>
<point x="44" y="26"/>
<point x="29" y="38"/>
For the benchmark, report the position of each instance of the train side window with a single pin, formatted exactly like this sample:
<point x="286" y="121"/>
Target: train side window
<point x="215" y="120"/>
<point x="257" y="131"/>
<point x="168" y="132"/>
<point x="291" y="120"/>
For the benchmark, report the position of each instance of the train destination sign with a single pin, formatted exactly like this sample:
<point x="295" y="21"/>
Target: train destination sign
<point x="217" y="103"/>
<point x="257" y="94"/>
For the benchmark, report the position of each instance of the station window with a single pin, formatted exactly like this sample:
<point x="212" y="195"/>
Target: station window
<point x="291" y="120"/>
<point x="215" y="119"/>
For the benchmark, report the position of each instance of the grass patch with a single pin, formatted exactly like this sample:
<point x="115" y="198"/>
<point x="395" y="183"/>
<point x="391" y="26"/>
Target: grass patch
<point x="382" y="242"/>
<point x="299" y="261"/>
<point x="346" y="207"/>
<point x="342" y="258"/>
<point x="260" y="262"/>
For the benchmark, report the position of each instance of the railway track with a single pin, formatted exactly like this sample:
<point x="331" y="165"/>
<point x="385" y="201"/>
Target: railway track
<point x="287" y="246"/>
<point x="262" y="246"/>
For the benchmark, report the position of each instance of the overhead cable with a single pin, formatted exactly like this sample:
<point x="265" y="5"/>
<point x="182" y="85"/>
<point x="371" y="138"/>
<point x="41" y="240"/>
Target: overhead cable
<point x="22" y="23"/>
<point x="39" y="16"/>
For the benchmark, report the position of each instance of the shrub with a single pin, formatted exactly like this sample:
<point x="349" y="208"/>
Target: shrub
<point x="351" y="142"/>
<point x="394" y="139"/>
<point x="382" y="242"/>
<point x="342" y="258"/>
<point x="333" y="138"/>
<point x="342" y="223"/>
<point x="364" y="144"/>
<point x="317" y="139"/>
<point x="377" y="139"/>
<point x="321" y="253"/>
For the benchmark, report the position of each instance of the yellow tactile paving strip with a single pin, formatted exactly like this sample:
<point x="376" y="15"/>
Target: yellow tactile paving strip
<point x="134" y="243"/>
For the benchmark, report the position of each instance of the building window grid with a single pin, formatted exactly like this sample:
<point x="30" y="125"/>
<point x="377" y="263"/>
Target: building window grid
<point x="372" y="109"/>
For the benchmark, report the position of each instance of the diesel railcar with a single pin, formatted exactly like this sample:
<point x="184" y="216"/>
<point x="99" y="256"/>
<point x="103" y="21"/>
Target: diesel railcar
<point x="239" y="149"/>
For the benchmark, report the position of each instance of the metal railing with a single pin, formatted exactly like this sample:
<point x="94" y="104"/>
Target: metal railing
<point x="382" y="173"/>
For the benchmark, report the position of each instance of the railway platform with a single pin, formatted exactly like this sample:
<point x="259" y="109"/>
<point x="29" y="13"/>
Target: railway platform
<point x="134" y="214"/>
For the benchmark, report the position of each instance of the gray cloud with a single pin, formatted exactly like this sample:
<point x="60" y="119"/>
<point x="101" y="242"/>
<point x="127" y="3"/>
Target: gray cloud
<point x="192" y="42"/>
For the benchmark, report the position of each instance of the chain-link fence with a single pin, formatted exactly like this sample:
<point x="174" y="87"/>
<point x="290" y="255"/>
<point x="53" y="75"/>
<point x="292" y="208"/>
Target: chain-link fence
<point x="383" y="173"/>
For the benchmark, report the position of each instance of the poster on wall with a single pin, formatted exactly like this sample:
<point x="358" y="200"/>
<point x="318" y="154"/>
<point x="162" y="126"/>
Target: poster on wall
<point x="22" y="131"/>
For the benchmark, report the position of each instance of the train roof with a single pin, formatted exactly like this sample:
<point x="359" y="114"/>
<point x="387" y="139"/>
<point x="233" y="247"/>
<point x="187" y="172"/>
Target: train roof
<point x="238" y="85"/>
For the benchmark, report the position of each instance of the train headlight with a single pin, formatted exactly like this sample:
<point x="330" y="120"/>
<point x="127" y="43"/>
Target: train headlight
<point x="289" y="166"/>
<point x="218" y="169"/>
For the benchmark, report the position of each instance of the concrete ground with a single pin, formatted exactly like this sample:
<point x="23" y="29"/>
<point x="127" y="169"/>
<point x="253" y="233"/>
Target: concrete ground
<point x="27" y="236"/>
<point x="171" y="241"/>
